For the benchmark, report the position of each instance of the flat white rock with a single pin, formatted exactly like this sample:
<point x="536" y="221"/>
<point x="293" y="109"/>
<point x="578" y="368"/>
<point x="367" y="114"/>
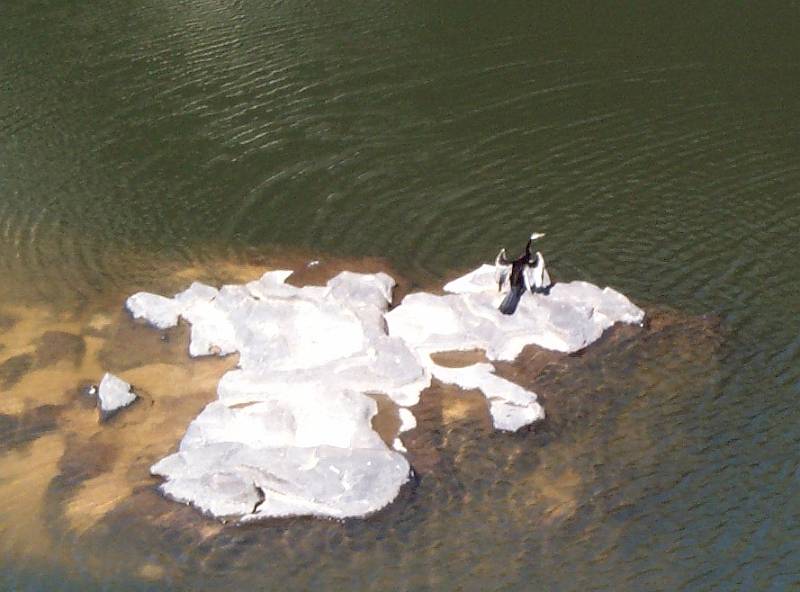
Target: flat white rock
<point x="569" y="318"/>
<point x="289" y="454"/>
<point x="113" y="394"/>
<point x="291" y="433"/>
<point x="157" y="310"/>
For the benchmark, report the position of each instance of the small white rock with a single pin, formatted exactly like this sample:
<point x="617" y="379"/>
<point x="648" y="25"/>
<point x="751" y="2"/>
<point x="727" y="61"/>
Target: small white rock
<point x="114" y="394"/>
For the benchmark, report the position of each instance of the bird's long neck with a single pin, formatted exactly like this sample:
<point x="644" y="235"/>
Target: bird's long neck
<point x="528" y="248"/>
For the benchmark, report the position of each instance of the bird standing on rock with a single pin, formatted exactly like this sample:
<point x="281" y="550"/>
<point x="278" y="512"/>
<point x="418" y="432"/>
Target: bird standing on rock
<point x="526" y="272"/>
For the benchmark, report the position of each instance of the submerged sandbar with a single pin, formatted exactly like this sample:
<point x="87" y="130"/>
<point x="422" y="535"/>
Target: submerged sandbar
<point x="78" y="480"/>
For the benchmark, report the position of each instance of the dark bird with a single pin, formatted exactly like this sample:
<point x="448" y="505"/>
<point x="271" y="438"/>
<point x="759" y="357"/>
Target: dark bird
<point x="526" y="272"/>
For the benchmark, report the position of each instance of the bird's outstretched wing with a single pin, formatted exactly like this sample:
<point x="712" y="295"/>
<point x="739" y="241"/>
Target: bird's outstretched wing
<point x="546" y="283"/>
<point x="502" y="269"/>
<point x="536" y="277"/>
<point x="540" y="278"/>
<point x="529" y="277"/>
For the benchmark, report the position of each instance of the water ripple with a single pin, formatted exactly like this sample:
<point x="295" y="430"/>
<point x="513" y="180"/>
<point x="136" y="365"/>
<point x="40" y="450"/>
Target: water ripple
<point x="434" y="137"/>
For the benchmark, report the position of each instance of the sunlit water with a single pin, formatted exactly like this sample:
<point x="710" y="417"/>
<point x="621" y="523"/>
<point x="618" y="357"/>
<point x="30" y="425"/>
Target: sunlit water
<point x="144" y="145"/>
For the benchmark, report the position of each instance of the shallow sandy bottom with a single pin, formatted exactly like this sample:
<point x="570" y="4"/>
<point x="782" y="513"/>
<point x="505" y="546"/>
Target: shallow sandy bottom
<point x="69" y="479"/>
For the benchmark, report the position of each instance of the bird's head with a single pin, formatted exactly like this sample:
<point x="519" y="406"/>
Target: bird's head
<point x="536" y="235"/>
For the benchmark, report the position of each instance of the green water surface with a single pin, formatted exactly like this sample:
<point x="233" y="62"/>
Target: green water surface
<point x="657" y="144"/>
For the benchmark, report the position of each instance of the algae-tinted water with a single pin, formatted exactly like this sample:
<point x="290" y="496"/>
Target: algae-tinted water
<point x="657" y="147"/>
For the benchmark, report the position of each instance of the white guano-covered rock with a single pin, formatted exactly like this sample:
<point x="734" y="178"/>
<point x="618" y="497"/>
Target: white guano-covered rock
<point x="157" y="310"/>
<point x="291" y="433"/>
<point x="569" y="318"/>
<point x="291" y="453"/>
<point x="113" y="394"/>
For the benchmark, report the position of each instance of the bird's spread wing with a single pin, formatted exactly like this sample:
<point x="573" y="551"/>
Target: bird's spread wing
<point x="528" y="277"/>
<point x="502" y="268"/>
<point x="541" y="279"/>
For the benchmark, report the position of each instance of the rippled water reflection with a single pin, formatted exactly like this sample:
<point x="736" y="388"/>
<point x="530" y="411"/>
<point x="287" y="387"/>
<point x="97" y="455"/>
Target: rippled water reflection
<point x="657" y="148"/>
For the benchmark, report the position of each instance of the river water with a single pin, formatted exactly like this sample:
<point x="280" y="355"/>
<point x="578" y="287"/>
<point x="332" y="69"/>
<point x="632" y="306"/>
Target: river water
<point x="656" y="145"/>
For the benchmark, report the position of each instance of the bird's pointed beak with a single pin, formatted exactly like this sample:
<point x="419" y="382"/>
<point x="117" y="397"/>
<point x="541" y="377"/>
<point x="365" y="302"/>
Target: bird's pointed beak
<point x="536" y="235"/>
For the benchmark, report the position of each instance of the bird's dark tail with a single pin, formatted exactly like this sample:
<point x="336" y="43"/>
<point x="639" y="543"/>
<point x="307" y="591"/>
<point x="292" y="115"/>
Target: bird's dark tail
<point x="511" y="301"/>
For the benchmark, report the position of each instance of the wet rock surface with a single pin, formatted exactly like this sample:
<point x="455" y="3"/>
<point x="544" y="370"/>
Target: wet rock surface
<point x="13" y="369"/>
<point x="18" y="430"/>
<point x="54" y="346"/>
<point x="6" y="322"/>
<point x="168" y="347"/>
